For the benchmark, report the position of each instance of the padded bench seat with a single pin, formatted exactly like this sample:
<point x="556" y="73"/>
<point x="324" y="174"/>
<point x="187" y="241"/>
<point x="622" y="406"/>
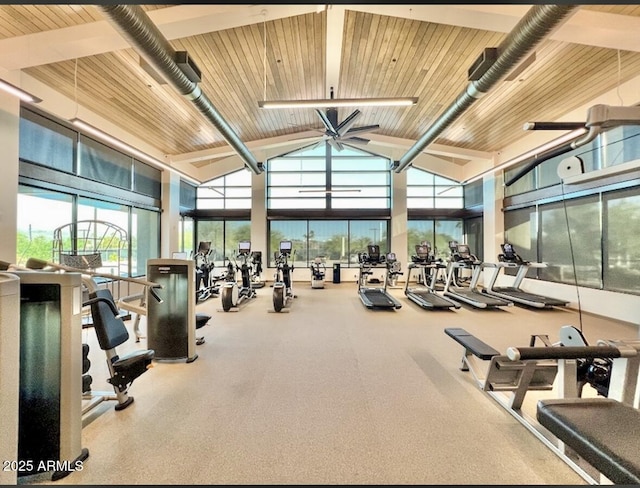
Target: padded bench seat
<point x="603" y="431"/>
<point x="471" y="343"/>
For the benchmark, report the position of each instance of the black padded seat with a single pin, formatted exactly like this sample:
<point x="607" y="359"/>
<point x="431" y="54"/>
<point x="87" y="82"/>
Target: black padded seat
<point x="111" y="333"/>
<point x="603" y="431"/>
<point x="471" y="343"/>
<point x="202" y="319"/>
<point x="132" y="358"/>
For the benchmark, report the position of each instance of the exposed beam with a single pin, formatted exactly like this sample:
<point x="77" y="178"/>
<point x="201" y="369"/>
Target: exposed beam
<point x="224" y="151"/>
<point x="587" y="27"/>
<point x="436" y="149"/>
<point x="301" y="138"/>
<point x="335" y="33"/>
<point x="99" y="37"/>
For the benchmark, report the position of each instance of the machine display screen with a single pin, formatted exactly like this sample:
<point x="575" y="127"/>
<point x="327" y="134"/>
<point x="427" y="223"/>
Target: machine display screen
<point x="285" y="246"/>
<point x="244" y="246"/>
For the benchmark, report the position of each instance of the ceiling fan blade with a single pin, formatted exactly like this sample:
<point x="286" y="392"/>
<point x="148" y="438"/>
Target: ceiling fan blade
<point x="336" y="144"/>
<point x="347" y="123"/>
<point x="362" y="130"/>
<point x="326" y="122"/>
<point x="355" y="140"/>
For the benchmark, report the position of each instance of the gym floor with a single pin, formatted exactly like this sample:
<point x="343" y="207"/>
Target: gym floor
<point x="328" y="393"/>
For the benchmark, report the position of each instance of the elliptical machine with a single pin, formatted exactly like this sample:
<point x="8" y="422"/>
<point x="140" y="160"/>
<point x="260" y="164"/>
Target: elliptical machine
<point x="256" y="264"/>
<point x="206" y="285"/>
<point x="282" y="290"/>
<point x="230" y="293"/>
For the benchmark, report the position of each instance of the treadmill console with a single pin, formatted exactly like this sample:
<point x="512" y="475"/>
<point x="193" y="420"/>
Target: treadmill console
<point x="373" y="254"/>
<point x="463" y="253"/>
<point x="509" y="254"/>
<point x="423" y="253"/>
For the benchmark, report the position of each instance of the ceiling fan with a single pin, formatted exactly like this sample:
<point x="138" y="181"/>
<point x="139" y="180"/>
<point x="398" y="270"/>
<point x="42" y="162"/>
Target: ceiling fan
<point x="338" y="134"/>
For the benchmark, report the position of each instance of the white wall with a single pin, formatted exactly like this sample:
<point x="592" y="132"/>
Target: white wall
<point x="170" y="216"/>
<point x="9" y="142"/>
<point x="399" y="219"/>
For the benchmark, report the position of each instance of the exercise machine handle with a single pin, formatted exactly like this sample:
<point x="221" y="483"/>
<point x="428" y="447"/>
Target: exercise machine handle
<point x="111" y="305"/>
<point x="154" y="293"/>
<point x="568" y="352"/>
<point x="35" y="263"/>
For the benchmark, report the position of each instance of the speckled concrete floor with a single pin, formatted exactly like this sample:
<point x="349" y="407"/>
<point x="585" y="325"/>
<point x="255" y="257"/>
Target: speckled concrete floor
<point x="330" y="393"/>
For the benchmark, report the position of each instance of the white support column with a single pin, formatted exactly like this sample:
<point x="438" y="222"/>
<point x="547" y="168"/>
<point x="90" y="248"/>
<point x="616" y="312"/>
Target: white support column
<point x="399" y="219"/>
<point x="170" y="218"/>
<point x="493" y="220"/>
<point x="9" y="373"/>
<point x="9" y="133"/>
<point x="493" y="216"/>
<point x="259" y="219"/>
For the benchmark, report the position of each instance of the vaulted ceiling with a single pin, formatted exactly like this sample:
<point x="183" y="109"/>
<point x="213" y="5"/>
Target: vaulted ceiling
<point x="249" y="53"/>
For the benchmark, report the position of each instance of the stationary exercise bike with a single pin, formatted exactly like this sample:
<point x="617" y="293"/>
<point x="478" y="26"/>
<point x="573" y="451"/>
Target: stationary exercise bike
<point x="318" y="272"/>
<point x="282" y="290"/>
<point x="393" y="270"/>
<point x="230" y="293"/>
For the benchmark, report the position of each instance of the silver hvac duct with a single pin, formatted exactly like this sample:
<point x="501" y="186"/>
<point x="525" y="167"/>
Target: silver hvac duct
<point x="532" y="28"/>
<point x="135" y="26"/>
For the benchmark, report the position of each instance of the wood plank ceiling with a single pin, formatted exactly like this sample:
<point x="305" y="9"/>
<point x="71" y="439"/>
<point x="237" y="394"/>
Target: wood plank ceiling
<point x="285" y="58"/>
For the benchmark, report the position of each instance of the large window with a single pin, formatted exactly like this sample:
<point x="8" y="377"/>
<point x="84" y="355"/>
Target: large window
<point x="622" y="231"/>
<point x="43" y="141"/>
<point x="99" y="162"/>
<point x="521" y="230"/>
<point x="224" y="236"/>
<point x="186" y="236"/>
<point x="427" y="190"/>
<point x="115" y="253"/>
<point x="118" y="178"/>
<point x="145" y="239"/>
<point x="231" y="191"/>
<point x="318" y="178"/>
<point x="339" y="241"/>
<point x="40" y="212"/>
<point x="595" y="235"/>
<point x="570" y="238"/>
<point x="435" y="231"/>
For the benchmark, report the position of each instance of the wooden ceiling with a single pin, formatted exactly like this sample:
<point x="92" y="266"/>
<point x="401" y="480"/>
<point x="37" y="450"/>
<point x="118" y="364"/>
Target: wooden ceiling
<point x="249" y="53"/>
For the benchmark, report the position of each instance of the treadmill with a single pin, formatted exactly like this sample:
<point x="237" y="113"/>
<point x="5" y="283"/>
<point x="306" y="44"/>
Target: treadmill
<point x="461" y="258"/>
<point x="374" y="297"/>
<point x="428" y="268"/>
<point x="510" y="259"/>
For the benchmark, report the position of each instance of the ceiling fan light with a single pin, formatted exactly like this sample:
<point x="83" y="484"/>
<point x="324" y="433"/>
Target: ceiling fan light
<point x="339" y="102"/>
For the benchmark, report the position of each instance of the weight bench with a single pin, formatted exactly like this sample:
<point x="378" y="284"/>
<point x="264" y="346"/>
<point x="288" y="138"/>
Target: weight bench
<point x="602" y="431"/>
<point x="506" y="380"/>
<point x="473" y="347"/>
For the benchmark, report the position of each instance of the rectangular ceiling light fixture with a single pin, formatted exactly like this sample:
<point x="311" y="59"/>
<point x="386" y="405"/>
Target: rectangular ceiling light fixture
<point x="18" y="92"/>
<point x="81" y="124"/>
<point x="339" y="102"/>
